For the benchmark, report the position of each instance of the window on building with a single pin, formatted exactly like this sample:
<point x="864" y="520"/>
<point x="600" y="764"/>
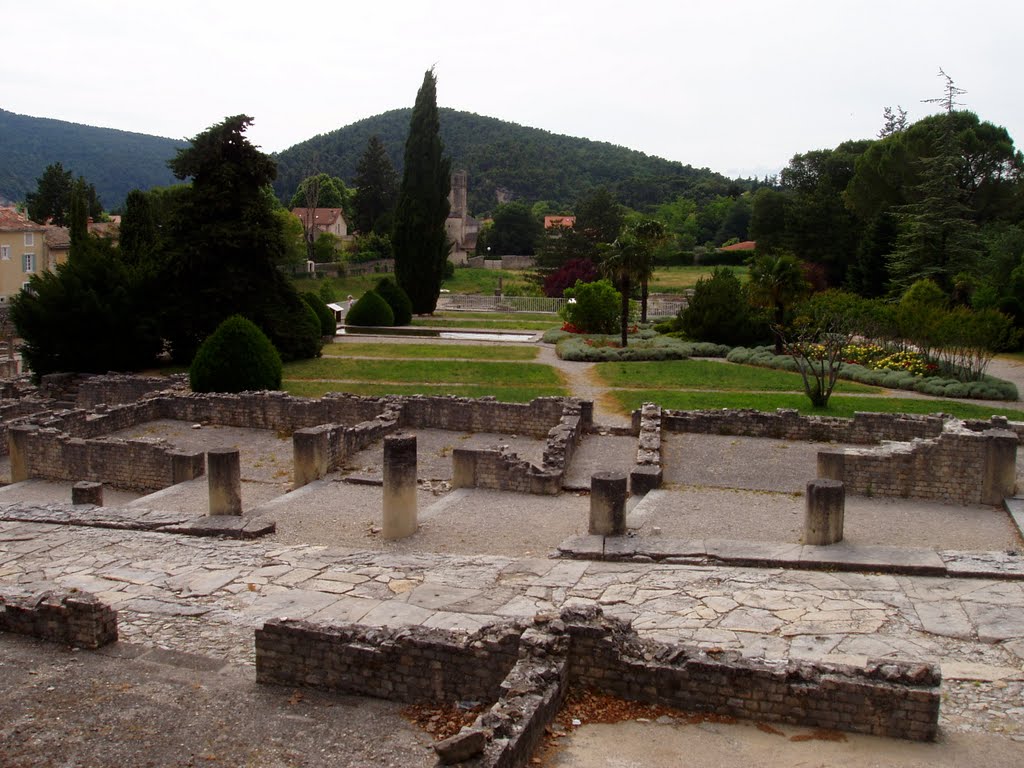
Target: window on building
<point x="28" y="262"/>
<point x="5" y="253"/>
<point x="30" y="238"/>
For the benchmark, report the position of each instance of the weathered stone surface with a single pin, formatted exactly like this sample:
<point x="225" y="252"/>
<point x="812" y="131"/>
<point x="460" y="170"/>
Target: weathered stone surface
<point x="464" y="745"/>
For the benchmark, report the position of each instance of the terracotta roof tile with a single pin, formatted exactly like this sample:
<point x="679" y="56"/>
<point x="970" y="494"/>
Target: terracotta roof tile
<point x="11" y="220"/>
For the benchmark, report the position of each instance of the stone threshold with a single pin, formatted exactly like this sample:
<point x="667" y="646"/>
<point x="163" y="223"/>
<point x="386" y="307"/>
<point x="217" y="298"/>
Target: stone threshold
<point x="154" y="521"/>
<point x="843" y="556"/>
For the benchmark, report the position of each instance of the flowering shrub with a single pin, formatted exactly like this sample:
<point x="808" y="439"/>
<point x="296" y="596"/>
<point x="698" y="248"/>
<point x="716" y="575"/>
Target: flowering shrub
<point x="877" y="358"/>
<point x="570" y="328"/>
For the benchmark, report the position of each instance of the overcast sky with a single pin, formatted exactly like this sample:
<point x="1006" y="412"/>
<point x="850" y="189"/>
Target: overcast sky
<point x="736" y="86"/>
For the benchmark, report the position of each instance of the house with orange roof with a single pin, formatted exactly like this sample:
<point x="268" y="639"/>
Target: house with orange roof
<point x="565" y="222"/>
<point x="320" y="220"/>
<point x="22" y="252"/>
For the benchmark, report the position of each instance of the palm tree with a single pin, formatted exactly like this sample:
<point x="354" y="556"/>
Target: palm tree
<point x="630" y="259"/>
<point x="776" y="282"/>
<point x="650" y="234"/>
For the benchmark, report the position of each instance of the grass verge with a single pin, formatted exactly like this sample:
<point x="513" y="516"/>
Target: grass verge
<point x="505" y="394"/>
<point x="838" y="406"/>
<point x="431" y="351"/>
<point x="703" y="374"/>
<point x="510" y="324"/>
<point x="496" y="374"/>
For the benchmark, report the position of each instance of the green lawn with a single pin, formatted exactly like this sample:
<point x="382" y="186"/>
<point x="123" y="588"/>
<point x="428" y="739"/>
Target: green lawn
<point x="679" y="279"/>
<point x="417" y="372"/>
<point x="479" y="280"/>
<point x="505" y="394"/>
<point x="838" y="406"/>
<point x="432" y="351"/>
<point x="509" y="324"/>
<point x="704" y="374"/>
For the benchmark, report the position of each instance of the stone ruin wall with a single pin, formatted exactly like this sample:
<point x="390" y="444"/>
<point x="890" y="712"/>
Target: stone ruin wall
<point x="72" y="618"/>
<point x="73" y="444"/>
<point x="959" y="466"/>
<point x="525" y="672"/>
<point x="788" y="424"/>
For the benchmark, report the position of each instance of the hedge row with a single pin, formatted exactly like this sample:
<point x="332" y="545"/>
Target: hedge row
<point x="988" y="388"/>
<point x="576" y="349"/>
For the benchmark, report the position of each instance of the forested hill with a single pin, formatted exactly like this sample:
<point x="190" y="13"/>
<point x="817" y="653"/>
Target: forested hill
<point x="528" y="163"/>
<point x="115" y="162"/>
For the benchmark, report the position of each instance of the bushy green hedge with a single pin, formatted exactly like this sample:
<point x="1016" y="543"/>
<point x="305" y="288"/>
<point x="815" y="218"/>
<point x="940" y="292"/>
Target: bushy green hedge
<point x="575" y="348"/>
<point x="323" y="314"/>
<point x="989" y="388"/>
<point x="370" y="310"/>
<point x="593" y="307"/>
<point x="236" y="357"/>
<point x="397" y="299"/>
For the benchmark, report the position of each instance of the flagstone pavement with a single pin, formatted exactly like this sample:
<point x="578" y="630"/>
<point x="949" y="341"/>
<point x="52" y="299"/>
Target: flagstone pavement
<point x="205" y="596"/>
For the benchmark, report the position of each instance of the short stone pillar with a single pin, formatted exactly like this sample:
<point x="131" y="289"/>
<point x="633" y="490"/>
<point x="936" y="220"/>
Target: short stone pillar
<point x="399" y="486"/>
<point x="224" y="475"/>
<point x="826" y="507"/>
<point x="310" y="454"/>
<point x="19" y="437"/>
<point x="608" y="503"/>
<point x="85" y="492"/>
<point x="1000" y="479"/>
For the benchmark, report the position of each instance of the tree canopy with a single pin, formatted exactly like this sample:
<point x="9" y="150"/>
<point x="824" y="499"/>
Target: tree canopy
<point x="376" y="189"/>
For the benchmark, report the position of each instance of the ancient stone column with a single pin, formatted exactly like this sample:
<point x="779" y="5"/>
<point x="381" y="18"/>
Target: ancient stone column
<point x="84" y="492"/>
<point x="826" y="506"/>
<point x="224" y="474"/>
<point x="608" y="503"/>
<point x="19" y="438"/>
<point x="310" y="453"/>
<point x="399" y="486"/>
<point x="1000" y="480"/>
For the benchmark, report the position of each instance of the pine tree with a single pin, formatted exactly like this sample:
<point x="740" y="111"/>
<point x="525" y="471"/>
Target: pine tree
<point x="376" y="187"/>
<point x="938" y="237"/>
<point x="421" y="242"/>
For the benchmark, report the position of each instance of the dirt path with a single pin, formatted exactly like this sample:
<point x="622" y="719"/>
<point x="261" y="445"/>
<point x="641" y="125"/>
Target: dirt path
<point x="582" y="381"/>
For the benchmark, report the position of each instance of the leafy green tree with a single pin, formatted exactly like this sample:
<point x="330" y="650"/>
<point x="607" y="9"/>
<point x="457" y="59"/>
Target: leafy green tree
<point x="236" y="357"/>
<point x="376" y="189"/>
<point x="326" y="248"/>
<point x="420" y="239"/>
<point x="719" y="311"/>
<point x="224" y="247"/>
<point x="90" y="315"/>
<point x="515" y="230"/>
<point x="330" y="192"/>
<point x="768" y="220"/>
<point x="592" y="307"/>
<point x="776" y="282"/>
<point x="51" y="200"/>
<point x="294" y="250"/>
<point x="138" y="232"/>
<point x="599" y="216"/>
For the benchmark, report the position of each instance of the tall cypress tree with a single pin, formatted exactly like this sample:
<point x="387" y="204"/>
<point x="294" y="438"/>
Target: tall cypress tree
<point x="420" y="240"/>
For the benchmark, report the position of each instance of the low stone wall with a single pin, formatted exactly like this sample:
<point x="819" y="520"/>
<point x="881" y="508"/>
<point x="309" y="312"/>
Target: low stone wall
<point x="960" y="466"/>
<point x="119" y="388"/>
<point x="319" y="450"/>
<point x="647" y="473"/>
<point x="410" y="664"/>
<point x="788" y="424"/>
<point x="141" y="465"/>
<point x="891" y="699"/>
<point x="500" y="469"/>
<point x="525" y="673"/>
<point x="74" y="618"/>
<point x="463" y="414"/>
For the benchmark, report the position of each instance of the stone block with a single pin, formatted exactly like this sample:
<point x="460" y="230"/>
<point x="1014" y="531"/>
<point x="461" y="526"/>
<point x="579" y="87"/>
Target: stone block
<point x="608" y="503"/>
<point x="825" y="509"/>
<point x="225" y="481"/>
<point x="85" y="492"/>
<point x="645" y="478"/>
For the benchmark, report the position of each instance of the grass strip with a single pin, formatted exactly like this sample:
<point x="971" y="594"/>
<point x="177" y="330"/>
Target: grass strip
<point x="512" y="324"/>
<point x="705" y="374"/>
<point x="432" y="351"/>
<point x="838" y="406"/>
<point x="504" y="394"/>
<point x="497" y="374"/>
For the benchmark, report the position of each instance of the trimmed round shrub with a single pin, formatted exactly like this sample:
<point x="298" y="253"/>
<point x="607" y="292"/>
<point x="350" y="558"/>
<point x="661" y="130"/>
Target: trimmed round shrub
<point x="370" y="310"/>
<point x="397" y="299"/>
<point x="236" y="357"/>
<point x="593" y="307"/>
<point x="324" y="315"/>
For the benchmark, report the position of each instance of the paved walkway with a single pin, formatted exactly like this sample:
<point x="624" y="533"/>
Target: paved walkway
<point x="206" y="596"/>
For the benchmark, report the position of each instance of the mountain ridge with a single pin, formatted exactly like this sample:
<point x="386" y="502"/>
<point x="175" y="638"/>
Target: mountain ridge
<point x="504" y="160"/>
